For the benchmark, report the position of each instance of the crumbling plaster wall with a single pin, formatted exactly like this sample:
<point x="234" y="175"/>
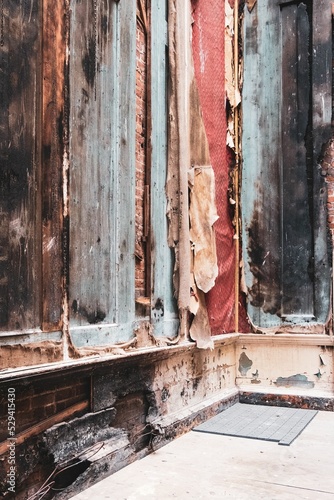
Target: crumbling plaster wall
<point x="111" y="410"/>
<point x="131" y="405"/>
<point x="286" y="364"/>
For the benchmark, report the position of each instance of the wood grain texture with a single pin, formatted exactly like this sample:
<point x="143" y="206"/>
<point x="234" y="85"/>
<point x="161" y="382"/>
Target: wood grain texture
<point x="260" y="175"/>
<point x="20" y="165"/>
<point x="53" y="150"/>
<point x="92" y="171"/>
<point x="296" y="163"/>
<point x="102" y="172"/>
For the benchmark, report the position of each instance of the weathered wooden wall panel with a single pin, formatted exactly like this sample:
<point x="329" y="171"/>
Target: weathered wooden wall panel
<point x="126" y="126"/>
<point x="286" y="91"/>
<point x="164" y="315"/>
<point x="102" y="171"/>
<point x="20" y="241"/>
<point x="260" y="151"/>
<point x="92" y="169"/>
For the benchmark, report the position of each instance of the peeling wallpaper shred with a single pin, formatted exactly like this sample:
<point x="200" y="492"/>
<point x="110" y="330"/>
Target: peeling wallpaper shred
<point x="203" y="215"/>
<point x="232" y="92"/>
<point x="209" y="38"/>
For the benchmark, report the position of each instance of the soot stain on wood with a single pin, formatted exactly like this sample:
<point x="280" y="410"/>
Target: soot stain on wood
<point x="104" y="24"/>
<point x="265" y="292"/>
<point x="89" y="62"/>
<point x="92" y="316"/>
<point x="251" y="35"/>
<point x="158" y="310"/>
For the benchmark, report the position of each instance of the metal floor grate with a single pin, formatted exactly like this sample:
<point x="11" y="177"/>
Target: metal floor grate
<point x="270" y="423"/>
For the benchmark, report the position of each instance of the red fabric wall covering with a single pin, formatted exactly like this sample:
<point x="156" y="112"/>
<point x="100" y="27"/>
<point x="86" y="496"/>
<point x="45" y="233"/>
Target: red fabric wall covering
<point x="208" y="53"/>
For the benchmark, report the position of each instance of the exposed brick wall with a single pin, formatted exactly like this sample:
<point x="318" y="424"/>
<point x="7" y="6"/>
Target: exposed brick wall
<point x="140" y="155"/>
<point x="36" y="402"/>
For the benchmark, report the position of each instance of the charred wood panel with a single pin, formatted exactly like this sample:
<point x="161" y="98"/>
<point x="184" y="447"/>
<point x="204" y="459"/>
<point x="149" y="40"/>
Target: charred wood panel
<point x="296" y="163"/>
<point x="54" y="150"/>
<point x="287" y="108"/>
<point x="20" y="55"/>
<point x="322" y="130"/>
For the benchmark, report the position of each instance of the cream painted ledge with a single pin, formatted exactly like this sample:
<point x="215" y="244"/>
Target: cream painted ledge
<point x="304" y="339"/>
<point x="219" y="340"/>
<point x="89" y="362"/>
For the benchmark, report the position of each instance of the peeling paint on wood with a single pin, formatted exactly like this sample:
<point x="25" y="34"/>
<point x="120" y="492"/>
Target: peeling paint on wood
<point x="102" y="165"/>
<point x="165" y="319"/>
<point x="178" y="153"/>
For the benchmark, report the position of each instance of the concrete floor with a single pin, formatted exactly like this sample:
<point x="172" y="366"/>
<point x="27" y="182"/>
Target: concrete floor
<point x="206" y="466"/>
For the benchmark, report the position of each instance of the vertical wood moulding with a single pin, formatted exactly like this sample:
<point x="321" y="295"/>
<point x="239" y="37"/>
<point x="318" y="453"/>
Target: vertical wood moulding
<point x="322" y="130"/>
<point x="53" y="102"/>
<point x="126" y="125"/>
<point x="162" y="264"/>
<point x="148" y="166"/>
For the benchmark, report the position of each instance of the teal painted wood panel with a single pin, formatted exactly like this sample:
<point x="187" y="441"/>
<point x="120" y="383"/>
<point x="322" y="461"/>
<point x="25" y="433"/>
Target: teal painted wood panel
<point x="102" y="167"/>
<point x="126" y="127"/>
<point x="164" y="315"/>
<point x="260" y="151"/>
<point x="287" y="71"/>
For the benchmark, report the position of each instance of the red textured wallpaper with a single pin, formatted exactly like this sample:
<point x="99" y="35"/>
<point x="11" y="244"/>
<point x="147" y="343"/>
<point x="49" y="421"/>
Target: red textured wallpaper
<point x="208" y="53"/>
